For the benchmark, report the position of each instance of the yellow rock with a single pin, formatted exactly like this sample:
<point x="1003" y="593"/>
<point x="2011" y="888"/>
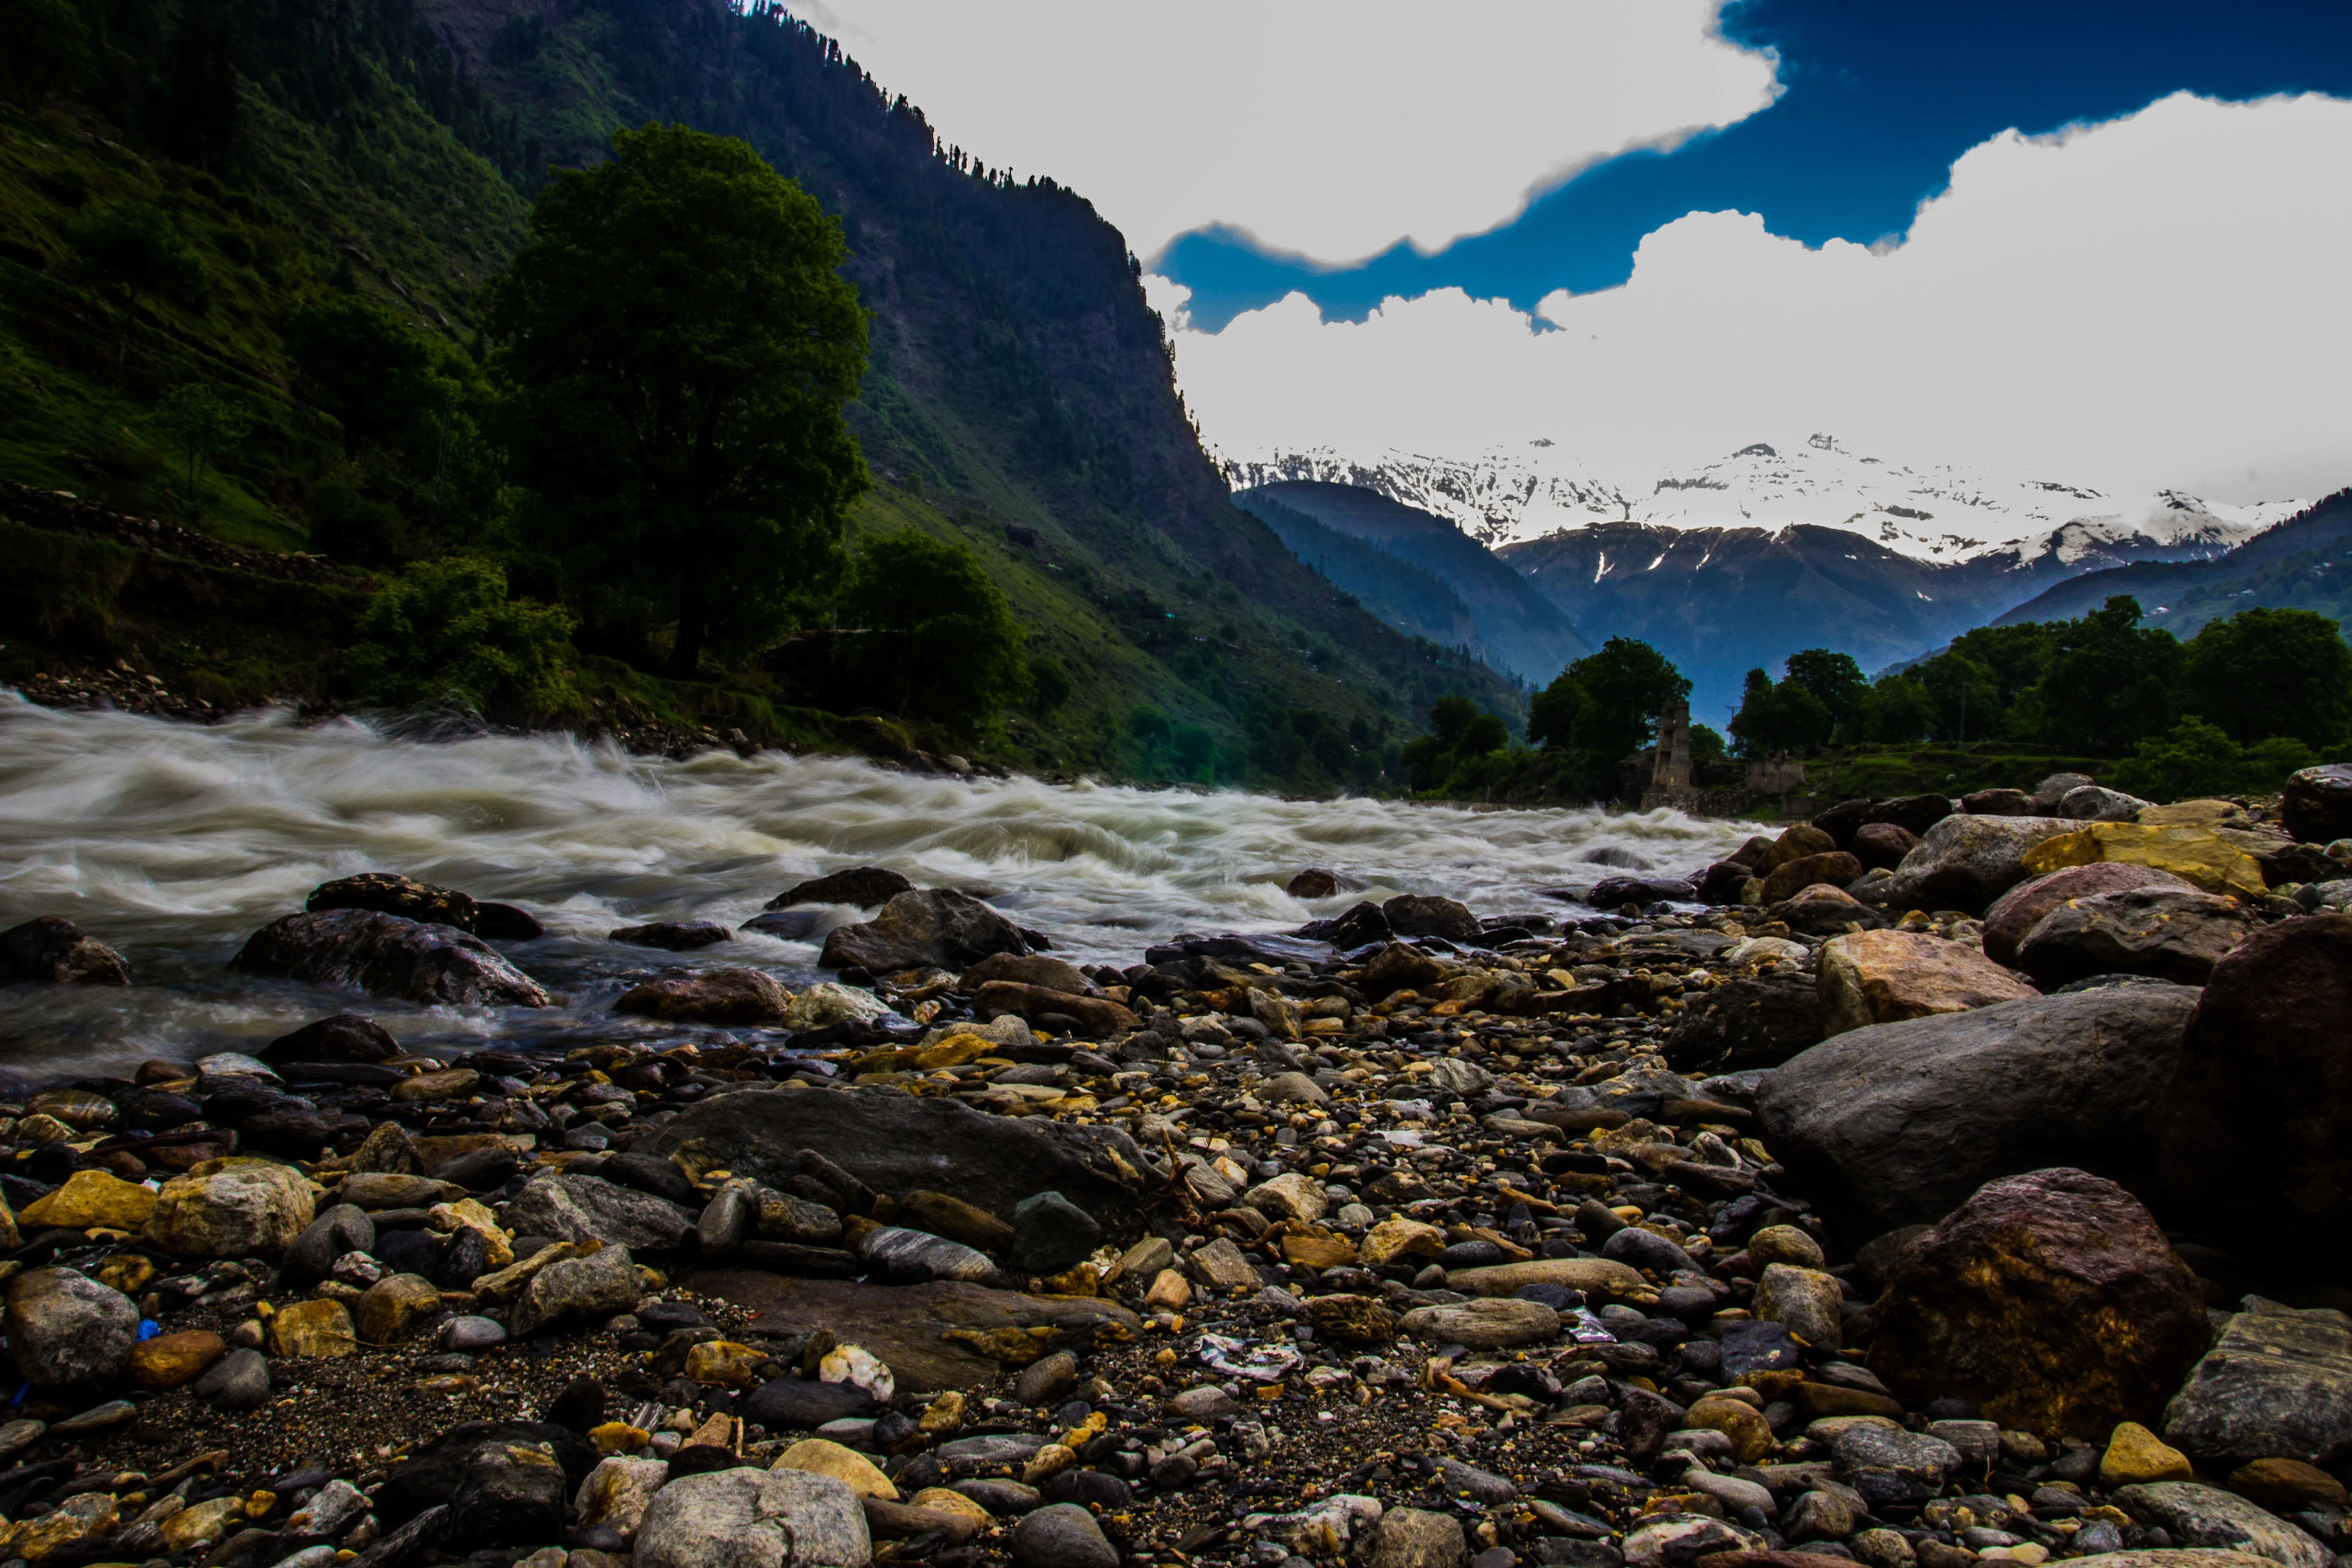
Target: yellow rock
<point x="1170" y="1292"/>
<point x="231" y="1208"/>
<point x="1751" y="1435"/>
<point x="505" y="1284"/>
<point x="167" y="1360"/>
<point x="618" y="1437"/>
<point x="127" y="1272"/>
<point x="91" y="1198"/>
<point x="90" y="1513"/>
<point x="722" y="1363"/>
<point x="1604" y="1274"/>
<point x="2135" y="1455"/>
<point x="203" y="1524"/>
<point x="1046" y="1464"/>
<point x="1885" y="976"/>
<point x="2197" y="855"/>
<point x="940" y="1500"/>
<point x="942" y="1416"/>
<point x="960" y="1050"/>
<point x="472" y="1215"/>
<point x="1398" y="1238"/>
<point x="852" y="1470"/>
<point x="314" y="1329"/>
<point x="393" y="1307"/>
<point x="1083" y="1279"/>
<point x="1317" y="1249"/>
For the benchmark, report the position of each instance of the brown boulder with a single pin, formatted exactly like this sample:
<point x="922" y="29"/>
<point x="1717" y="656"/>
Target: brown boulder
<point x="389" y="894"/>
<point x="1836" y="867"/>
<point x="2169" y="934"/>
<point x="932" y="927"/>
<point x="2317" y="805"/>
<point x="2052" y="1299"/>
<point x="738" y="996"/>
<point x="1094" y="1016"/>
<point x="1034" y="969"/>
<point x="52" y="950"/>
<point x="1425" y="914"/>
<point x="1401" y="967"/>
<point x="2021" y="908"/>
<point x="1913" y="813"/>
<point x="1315" y="882"/>
<point x="1885" y="976"/>
<point x="1997" y="803"/>
<point x="2252" y="1130"/>
<point x="1883" y="845"/>
<point x="867" y="886"/>
<point x="1795" y="843"/>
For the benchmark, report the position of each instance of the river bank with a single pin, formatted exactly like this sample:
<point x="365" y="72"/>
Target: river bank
<point x="1724" y="1212"/>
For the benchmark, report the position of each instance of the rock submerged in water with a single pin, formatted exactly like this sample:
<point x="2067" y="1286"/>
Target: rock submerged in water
<point x="2051" y="1300"/>
<point x="737" y="996"/>
<point x="386" y="955"/>
<point x="866" y="886"/>
<point x="52" y="951"/>
<point x="934" y="928"/>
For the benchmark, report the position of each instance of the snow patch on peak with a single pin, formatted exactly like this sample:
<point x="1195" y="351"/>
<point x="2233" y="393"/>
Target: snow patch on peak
<point x="1941" y="512"/>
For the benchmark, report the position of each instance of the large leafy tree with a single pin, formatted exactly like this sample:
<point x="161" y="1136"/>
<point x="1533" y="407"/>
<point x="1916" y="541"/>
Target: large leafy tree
<point x="2263" y="673"/>
<point x="1835" y="681"/>
<point x="940" y="643"/>
<point x="677" y="345"/>
<point x="2108" y="682"/>
<point x="1788" y="717"/>
<point x="1605" y="703"/>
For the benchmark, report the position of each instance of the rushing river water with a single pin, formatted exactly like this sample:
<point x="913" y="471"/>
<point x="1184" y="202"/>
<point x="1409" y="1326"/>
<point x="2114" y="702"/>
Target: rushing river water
<point x="174" y="842"/>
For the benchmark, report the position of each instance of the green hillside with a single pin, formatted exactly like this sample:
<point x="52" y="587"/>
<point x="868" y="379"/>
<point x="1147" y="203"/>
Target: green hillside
<point x="200" y="174"/>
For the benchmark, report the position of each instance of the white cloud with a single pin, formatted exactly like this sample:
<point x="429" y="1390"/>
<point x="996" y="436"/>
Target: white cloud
<point x="2154" y="301"/>
<point x="1327" y="128"/>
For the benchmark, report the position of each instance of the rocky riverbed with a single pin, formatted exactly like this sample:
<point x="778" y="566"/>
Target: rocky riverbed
<point x="1936" y="1181"/>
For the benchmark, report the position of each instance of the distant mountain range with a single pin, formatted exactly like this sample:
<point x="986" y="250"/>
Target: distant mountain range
<point x="1736" y="563"/>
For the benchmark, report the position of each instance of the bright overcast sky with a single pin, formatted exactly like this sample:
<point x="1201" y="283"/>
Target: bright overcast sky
<point x="1607" y="223"/>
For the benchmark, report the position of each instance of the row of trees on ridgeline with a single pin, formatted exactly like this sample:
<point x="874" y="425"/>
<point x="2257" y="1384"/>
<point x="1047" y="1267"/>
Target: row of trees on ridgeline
<point x="2247" y="700"/>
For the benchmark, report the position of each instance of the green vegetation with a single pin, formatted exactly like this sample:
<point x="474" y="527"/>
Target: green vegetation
<point x="247" y="263"/>
<point x="938" y="642"/>
<point x="673" y="347"/>
<point x="445" y="634"/>
<point x="2247" y="700"/>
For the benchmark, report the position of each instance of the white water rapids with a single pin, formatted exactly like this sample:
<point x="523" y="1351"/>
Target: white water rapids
<point x="172" y="843"/>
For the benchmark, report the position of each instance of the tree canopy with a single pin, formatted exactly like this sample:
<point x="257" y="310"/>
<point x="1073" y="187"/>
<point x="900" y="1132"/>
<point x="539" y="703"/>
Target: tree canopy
<point x="675" y="345"/>
<point x="951" y="650"/>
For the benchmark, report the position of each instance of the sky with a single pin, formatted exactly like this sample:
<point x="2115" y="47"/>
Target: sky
<point x="2103" y="242"/>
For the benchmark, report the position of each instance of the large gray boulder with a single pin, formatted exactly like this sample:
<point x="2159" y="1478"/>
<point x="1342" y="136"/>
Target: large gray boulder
<point x="2276" y="1384"/>
<point x="935" y="928"/>
<point x="1908" y="1119"/>
<point x="1966" y="862"/>
<point x="896" y="1144"/>
<point x="385" y="955"/>
<point x="2167" y="933"/>
<point x="586" y="1209"/>
<point x="753" y="1519"/>
<point x="2206" y="1516"/>
<point x="65" y="1327"/>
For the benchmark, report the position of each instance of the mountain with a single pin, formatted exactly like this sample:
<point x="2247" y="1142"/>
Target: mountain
<point x="1927" y="512"/>
<point x="1734" y="564"/>
<point x="2303" y="563"/>
<point x="1019" y="397"/>
<point x="1502" y="618"/>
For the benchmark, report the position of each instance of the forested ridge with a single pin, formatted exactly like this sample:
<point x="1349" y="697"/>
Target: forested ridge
<point x="187" y="193"/>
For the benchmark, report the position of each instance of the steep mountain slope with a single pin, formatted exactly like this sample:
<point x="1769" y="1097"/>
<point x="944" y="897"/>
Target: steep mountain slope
<point x="1516" y="628"/>
<point x="1018" y="379"/>
<point x="2303" y="563"/>
<point x="1020" y="398"/>
<point x="1398" y="592"/>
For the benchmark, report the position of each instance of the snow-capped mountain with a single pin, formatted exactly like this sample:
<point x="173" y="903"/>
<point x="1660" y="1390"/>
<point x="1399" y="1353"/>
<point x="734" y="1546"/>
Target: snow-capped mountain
<point x="1937" y="512"/>
<point x="1734" y="564"/>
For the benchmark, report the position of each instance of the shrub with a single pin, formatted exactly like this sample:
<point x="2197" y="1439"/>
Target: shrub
<point x="444" y="632"/>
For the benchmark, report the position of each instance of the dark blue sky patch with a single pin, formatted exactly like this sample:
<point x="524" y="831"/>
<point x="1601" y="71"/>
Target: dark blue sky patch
<point x="1880" y="97"/>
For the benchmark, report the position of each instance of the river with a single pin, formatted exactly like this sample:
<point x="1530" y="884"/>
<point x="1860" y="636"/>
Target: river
<point x="174" y="842"/>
